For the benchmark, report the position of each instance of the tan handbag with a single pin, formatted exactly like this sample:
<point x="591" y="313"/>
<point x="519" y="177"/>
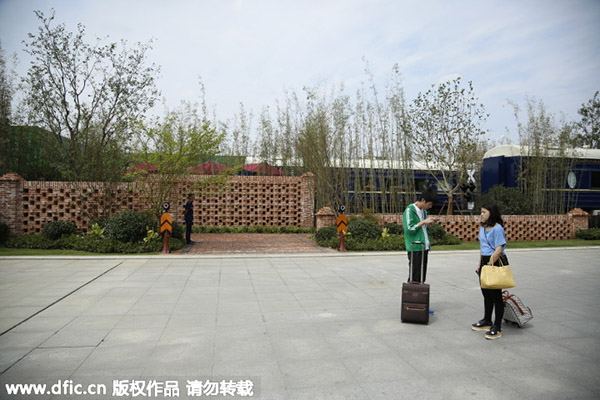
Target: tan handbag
<point x="493" y="277"/>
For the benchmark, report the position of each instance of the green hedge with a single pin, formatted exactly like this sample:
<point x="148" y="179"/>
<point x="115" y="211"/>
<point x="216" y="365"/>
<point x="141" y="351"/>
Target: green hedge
<point x="93" y="244"/>
<point x="394" y="229"/>
<point x="588" y="234"/>
<point x="328" y="237"/>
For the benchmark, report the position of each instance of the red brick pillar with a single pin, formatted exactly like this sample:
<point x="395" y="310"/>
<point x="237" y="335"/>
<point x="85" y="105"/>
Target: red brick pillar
<point x="325" y="217"/>
<point x="11" y="199"/>
<point x="580" y="220"/>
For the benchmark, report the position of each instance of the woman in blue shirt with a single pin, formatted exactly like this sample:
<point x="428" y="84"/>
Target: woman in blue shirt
<point x="492" y="242"/>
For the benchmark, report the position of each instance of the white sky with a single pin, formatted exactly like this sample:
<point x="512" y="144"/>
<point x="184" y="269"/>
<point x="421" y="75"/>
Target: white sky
<point x="251" y="51"/>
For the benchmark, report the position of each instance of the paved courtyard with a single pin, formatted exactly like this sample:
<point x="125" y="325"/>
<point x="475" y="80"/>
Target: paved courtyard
<point x="312" y="326"/>
<point x="252" y="243"/>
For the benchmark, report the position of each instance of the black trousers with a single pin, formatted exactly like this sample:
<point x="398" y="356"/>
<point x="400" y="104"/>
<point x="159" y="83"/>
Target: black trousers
<point x="492" y="298"/>
<point x="415" y="258"/>
<point x="188" y="231"/>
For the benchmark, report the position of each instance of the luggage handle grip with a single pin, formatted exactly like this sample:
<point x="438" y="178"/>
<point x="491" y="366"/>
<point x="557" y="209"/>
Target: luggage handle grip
<point x="422" y="262"/>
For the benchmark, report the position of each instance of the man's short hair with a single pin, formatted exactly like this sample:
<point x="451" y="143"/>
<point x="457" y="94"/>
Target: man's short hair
<point x="429" y="195"/>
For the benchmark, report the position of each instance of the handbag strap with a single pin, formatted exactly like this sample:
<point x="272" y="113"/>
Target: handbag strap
<point x="507" y="296"/>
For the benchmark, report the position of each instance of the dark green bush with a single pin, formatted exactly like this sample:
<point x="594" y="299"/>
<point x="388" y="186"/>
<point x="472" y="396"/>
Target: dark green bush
<point x="326" y="234"/>
<point x="93" y="244"/>
<point x="361" y="229"/>
<point x="129" y="226"/>
<point x="510" y="200"/>
<point x="101" y="221"/>
<point x="178" y="230"/>
<point x="394" y="229"/>
<point x="31" y="241"/>
<point x="4" y="232"/>
<point x="389" y="243"/>
<point x="588" y="234"/>
<point x="436" y="233"/>
<point x="449" y="239"/>
<point x="57" y="229"/>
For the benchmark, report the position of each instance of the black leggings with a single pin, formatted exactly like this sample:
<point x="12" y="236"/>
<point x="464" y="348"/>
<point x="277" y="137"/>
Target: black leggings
<point x="492" y="298"/>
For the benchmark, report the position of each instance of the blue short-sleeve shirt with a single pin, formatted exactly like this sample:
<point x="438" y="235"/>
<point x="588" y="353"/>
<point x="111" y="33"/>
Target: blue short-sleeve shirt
<point x="491" y="239"/>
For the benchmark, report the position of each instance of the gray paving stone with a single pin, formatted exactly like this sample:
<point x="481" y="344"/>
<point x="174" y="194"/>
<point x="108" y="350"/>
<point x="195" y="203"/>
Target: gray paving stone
<point x="318" y="326"/>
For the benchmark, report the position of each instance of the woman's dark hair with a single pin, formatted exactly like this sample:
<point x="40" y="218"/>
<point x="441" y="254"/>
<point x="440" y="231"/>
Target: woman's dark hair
<point x="495" y="216"/>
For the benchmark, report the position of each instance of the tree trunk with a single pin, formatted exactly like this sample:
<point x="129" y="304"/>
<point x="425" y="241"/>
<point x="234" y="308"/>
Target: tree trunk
<point x="450" y="204"/>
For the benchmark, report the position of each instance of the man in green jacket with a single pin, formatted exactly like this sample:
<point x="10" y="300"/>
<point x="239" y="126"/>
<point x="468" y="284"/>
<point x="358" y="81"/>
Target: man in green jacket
<point x="415" y="220"/>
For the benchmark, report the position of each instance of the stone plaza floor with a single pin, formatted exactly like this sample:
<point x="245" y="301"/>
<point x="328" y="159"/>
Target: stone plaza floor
<point x="321" y="325"/>
<point x="252" y="243"/>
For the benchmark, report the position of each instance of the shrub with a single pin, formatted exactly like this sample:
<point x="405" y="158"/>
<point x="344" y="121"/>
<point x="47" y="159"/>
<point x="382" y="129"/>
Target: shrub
<point x="361" y="228"/>
<point x="449" y="239"/>
<point x="178" y="230"/>
<point x="394" y="229"/>
<point x="436" y="233"/>
<point x="129" y="226"/>
<point x="588" y="234"/>
<point x="31" y="241"/>
<point x="4" y="232"/>
<point x="368" y="214"/>
<point x="57" y="229"/>
<point x="96" y="230"/>
<point x="510" y="200"/>
<point x="326" y="234"/>
<point x="390" y="243"/>
<point x="93" y="244"/>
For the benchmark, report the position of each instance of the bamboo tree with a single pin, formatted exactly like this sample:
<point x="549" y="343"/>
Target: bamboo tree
<point x="446" y="130"/>
<point x="546" y="158"/>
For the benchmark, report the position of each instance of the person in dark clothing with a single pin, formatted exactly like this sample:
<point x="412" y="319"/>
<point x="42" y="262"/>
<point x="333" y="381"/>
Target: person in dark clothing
<point x="189" y="218"/>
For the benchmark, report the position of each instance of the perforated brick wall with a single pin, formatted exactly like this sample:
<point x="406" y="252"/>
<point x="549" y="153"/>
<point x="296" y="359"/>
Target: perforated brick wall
<point x="517" y="227"/>
<point x="245" y="200"/>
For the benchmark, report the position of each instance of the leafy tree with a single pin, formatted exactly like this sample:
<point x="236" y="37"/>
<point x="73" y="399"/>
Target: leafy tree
<point x="546" y="158"/>
<point x="446" y="132"/>
<point x="512" y="201"/>
<point x="87" y="95"/>
<point x="180" y="140"/>
<point x="6" y="96"/>
<point x="589" y="125"/>
<point x="313" y="149"/>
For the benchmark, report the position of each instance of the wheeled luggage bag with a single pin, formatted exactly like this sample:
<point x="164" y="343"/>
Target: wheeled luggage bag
<point x="415" y="295"/>
<point x="515" y="310"/>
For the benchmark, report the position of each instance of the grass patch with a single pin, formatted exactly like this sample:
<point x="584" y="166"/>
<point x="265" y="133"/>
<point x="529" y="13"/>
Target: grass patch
<point x="5" y="251"/>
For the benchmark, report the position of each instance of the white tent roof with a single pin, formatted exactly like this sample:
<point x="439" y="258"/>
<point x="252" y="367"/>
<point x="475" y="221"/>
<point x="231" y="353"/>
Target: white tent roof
<point x="512" y="150"/>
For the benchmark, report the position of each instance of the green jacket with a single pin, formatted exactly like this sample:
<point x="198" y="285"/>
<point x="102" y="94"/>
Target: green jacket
<point x="412" y="232"/>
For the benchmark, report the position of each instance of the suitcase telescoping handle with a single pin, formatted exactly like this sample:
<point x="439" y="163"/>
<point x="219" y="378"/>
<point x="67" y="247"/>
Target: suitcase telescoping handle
<point x="412" y="254"/>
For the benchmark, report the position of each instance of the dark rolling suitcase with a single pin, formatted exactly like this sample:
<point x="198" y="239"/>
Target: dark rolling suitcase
<point x="415" y="296"/>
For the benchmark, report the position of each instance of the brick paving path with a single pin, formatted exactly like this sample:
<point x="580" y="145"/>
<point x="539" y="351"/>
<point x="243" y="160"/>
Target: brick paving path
<point x="252" y="243"/>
